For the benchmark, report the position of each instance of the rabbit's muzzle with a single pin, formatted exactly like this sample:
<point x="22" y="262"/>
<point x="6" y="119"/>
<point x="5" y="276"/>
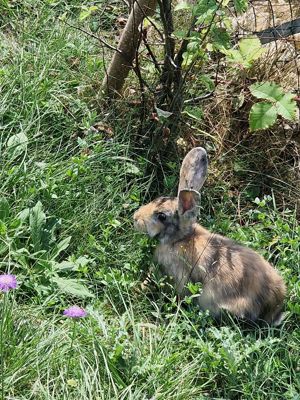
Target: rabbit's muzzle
<point x="139" y="224"/>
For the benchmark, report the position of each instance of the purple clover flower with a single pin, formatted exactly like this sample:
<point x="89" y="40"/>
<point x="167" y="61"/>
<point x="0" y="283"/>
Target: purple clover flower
<point x="7" y="282"/>
<point x="75" y="312"/>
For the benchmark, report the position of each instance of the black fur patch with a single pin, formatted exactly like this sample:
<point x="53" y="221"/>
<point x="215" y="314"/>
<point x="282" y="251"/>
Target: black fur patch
<point x="229" y="257"/>
<point x="161" y="200"/>
<point x="215" y="258"/>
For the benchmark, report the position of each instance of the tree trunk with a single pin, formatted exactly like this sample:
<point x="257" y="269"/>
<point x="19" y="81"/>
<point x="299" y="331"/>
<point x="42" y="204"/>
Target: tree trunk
<point x="122" y="60"/>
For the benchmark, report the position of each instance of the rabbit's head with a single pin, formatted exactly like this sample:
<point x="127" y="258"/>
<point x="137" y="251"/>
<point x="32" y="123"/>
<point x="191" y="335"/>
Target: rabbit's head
<point x="171" y="218"/>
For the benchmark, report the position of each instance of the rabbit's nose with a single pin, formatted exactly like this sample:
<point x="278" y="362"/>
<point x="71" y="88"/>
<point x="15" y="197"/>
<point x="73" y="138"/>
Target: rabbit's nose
<point x="136" y="221"/>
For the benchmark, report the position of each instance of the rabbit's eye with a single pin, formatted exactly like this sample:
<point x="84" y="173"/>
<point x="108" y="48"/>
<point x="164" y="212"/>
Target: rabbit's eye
<point x="161" y="216"/>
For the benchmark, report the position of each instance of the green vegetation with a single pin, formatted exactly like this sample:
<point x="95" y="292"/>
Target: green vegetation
<point x="264" y="114"/>
<point x="71" y="177"/>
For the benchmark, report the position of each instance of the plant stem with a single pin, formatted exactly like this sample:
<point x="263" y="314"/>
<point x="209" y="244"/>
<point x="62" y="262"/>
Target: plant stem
<point x="71" y="347"/>
<point x="2" y="346"/>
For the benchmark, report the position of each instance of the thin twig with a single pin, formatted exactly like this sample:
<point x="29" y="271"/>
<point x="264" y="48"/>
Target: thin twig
<point x="199" y="98"/>
<point x="150" y="52"/>
<point x="109" y="46"/>
<point x="151" y="22"/>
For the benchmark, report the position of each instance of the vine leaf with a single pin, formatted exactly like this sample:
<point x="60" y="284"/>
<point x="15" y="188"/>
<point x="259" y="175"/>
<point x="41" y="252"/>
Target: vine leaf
<point x="240" y="5"/>
<point x="251" y="49"/>
<point x="262" y="116"/>
<point x="287" y="107"/>
<point x="267" y="90"/>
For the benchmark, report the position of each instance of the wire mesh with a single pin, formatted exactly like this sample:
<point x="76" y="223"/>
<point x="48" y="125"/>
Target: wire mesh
<point x="277" y="24"/>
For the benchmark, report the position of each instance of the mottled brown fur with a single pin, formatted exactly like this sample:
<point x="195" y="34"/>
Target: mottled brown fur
<point x="234" y="278"/>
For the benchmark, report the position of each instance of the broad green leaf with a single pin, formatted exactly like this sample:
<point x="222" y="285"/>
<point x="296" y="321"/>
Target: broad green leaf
<point x="240" y="5"/>
<point x="267" y="90"/>
<point x="61" y="246"/>
<point x="17" y="144"/>
<point x="220" y="37"/>
<point x="251" y="48"/>
<point x="72" y="286"/>
<point x="262" y="116"/>
<point x="207" y="16"/>
<point x="82" y="261"/>
<point x="163" y="113"/>
<point x="183" y="5"/>
<point x="194" y="112"/>
<point x="4" y="208"/>
<point x="132" y="169"/>
<point x="179" y="34"/>
<point x="193" y="46"/>
<point x="71" y="264"/>
<point x="37" y="219"/>
<point x="64" y="266"/>
<point x="24" y="214"/>
<point x="287" y="107"/>
<point x="233" y="55"/>
<point x="188" y="58"/>
<point x="48" y="233"/>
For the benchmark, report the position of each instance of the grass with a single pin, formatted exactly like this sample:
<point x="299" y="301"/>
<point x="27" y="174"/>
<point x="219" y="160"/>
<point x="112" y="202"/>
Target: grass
<point x="68" y="191"/>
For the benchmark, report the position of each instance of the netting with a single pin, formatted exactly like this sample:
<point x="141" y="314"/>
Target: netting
<point x="277" y="24"/>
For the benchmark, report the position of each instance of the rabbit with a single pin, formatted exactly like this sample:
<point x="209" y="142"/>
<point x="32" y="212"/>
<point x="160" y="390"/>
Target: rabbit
<point x="234" y="278"/>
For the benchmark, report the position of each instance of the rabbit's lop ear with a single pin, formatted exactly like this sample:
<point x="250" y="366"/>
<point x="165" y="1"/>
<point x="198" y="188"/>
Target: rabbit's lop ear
<point x="193" y="170"/>
<point x="188" y="201"/>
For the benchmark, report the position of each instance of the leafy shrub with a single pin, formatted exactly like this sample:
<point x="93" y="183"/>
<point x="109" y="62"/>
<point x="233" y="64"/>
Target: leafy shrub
<point x="264" y="114"/>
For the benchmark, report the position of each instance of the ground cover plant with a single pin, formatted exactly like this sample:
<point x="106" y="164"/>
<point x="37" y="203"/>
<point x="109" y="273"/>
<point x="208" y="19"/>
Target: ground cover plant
<point x="72" y="172"/>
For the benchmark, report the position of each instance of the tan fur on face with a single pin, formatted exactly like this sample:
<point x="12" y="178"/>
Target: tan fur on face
<point x="144" y="220"/>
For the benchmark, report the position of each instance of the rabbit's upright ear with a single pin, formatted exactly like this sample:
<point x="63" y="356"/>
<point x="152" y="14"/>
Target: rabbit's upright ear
<point x="188" y="202"/>
<point x="193" y="170"/>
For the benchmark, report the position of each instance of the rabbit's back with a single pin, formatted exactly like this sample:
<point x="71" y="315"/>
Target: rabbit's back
<point x="234" y="277"/>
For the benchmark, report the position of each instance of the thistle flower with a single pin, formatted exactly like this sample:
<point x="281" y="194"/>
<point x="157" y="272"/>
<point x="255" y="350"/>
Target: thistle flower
<point x="7" y="282"/>
<point x="75" y="312"/>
